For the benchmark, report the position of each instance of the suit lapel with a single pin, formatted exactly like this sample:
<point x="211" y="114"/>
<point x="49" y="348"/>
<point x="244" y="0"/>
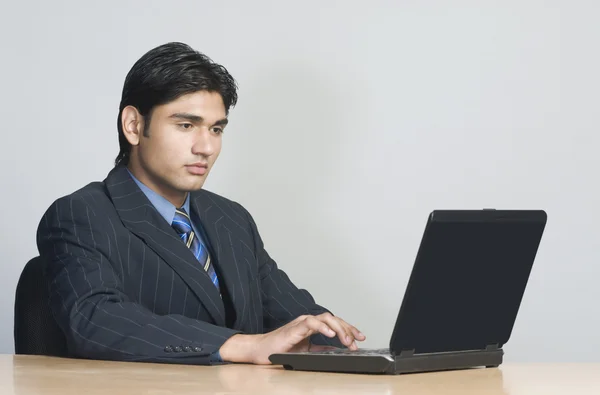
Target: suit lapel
<point x="141" y="218"/>
<point x="217" y="225"/>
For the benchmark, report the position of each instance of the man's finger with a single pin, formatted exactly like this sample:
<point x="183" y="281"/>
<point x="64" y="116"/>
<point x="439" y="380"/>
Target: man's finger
<point x="345" y="335"/>
<point x="310" y="325"/>
<point x="357" y="334"/>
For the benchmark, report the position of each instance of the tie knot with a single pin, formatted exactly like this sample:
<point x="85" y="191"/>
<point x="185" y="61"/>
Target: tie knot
<point x="181" y="222"/>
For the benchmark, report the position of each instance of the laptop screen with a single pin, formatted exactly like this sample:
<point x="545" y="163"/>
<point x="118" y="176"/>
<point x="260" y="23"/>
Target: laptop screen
<point x="468" y="280"/>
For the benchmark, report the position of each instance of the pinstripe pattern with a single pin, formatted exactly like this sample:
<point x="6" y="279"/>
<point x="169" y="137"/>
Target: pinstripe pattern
<point x="124" y="287"/>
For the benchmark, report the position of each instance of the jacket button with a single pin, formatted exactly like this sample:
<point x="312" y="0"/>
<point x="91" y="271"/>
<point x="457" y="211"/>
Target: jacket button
<point x="168" y="349"/>
<point x="197" y="349"/>
<point x="187" y="349"/>
<point x="177" y="349"/>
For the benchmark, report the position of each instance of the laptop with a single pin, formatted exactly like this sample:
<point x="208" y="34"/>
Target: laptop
<point x="461" y="301"/>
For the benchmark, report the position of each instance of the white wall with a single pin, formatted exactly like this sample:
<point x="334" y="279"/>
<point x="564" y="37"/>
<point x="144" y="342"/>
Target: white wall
<point x="355" y="119"/>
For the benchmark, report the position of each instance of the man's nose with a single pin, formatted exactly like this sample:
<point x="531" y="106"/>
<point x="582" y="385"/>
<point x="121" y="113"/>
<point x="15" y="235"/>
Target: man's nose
<point x="204" y="144"/>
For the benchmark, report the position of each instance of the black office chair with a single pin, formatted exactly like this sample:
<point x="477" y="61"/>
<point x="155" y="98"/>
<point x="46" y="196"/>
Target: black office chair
<point x="36" y="332"/>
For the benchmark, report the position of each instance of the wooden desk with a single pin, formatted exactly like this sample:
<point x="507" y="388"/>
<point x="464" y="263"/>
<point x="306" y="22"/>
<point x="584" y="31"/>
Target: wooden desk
<point x="28" y="375"/>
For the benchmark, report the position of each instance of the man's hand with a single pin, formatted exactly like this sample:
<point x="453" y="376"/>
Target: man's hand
<point x="293" y="337"/>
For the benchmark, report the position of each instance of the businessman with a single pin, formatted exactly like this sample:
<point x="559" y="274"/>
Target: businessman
<point x="147" y="265"/>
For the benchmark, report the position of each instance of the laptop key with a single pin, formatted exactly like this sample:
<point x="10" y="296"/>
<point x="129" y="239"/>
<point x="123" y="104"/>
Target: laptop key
<point x="359" y="352"/>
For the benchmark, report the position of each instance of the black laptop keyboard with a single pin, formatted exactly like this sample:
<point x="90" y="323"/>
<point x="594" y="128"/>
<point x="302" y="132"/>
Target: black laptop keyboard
<point x="360" y="351"/>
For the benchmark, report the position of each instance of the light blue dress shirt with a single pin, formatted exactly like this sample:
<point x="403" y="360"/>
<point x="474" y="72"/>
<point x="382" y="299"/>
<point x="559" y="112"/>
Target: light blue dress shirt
<point x="165" y="208"/>
<point x="167" y="211"/>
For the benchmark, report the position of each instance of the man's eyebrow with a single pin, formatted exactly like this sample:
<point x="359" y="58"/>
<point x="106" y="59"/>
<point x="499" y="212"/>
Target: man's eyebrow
<point x="187" y="117"/>
<point x="197" y="118"/>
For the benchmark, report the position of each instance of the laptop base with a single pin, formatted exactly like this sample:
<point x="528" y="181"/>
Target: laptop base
<point x="388" y="364"/>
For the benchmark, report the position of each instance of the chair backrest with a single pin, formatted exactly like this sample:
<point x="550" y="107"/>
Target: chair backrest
<point x="36" y="332"/>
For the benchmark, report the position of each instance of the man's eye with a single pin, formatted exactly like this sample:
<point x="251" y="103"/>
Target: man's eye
<point x="185" y="125"/>
<point x="218" y="130"/>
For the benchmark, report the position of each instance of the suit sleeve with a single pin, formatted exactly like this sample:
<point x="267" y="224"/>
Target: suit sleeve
<point x="282" y="300"/>
<point x="88" y="302"/>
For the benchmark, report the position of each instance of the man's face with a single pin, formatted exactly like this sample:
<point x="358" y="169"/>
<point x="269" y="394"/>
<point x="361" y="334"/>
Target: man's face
<point x="182" y="144"/>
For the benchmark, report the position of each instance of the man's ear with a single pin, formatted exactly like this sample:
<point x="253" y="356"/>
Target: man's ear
<point x="132" y="123"/>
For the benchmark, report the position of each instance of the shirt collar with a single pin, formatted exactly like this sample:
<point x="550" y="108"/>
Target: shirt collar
<point x="162" y="205"/>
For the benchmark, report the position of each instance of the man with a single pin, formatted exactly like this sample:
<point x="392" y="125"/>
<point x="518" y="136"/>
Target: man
<point x="146" y="265"/>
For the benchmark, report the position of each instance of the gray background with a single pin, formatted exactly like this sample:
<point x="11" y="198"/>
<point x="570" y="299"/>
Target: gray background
<point x="355" y="120"/>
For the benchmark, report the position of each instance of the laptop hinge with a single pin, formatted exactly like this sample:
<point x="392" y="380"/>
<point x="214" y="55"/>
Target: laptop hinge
<point x="407" y="353"/>
<point x="492" y="347"/>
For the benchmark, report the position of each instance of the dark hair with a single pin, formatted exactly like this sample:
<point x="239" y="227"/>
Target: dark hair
<point x="164" y="74"/>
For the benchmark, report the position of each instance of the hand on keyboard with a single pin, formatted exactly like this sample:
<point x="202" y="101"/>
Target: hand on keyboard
<point x="293" y="337"/>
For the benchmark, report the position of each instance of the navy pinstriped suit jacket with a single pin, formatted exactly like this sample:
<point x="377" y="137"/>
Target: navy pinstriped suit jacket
<point x="124" y="287"/>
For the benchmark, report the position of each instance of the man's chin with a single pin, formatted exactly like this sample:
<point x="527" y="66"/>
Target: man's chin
<point x="194" y="185"/>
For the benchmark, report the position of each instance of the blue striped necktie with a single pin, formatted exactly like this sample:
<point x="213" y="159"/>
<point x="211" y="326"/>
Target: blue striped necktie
<point x="183" y="227"/>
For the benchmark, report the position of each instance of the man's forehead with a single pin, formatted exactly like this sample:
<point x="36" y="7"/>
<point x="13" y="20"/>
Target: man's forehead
<point x="203" y="106"/>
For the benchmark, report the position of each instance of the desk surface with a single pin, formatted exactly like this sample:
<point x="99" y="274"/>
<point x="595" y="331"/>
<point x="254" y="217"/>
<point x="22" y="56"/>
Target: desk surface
<point x="27" y="375"/>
